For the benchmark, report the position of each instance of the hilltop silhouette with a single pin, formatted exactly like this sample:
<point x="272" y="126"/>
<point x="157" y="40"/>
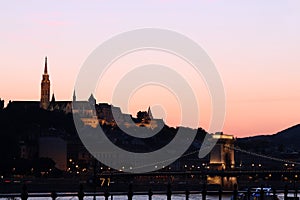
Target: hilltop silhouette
<point x="283" y="144"/>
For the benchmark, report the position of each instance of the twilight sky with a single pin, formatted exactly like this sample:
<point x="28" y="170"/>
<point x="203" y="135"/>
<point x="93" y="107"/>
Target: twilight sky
<point x="255" y="46"/>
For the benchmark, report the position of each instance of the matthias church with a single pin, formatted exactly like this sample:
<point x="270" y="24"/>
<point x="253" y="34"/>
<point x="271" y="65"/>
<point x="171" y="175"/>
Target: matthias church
<point x="91" y="113"/>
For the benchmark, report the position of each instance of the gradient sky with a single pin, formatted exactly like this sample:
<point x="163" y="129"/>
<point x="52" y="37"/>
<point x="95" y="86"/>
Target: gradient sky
<point x="254" y="44"/>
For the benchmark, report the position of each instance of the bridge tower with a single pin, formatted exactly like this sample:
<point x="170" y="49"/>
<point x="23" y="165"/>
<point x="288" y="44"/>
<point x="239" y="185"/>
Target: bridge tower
<point x="222" y="155"/>
<point x="222" y="158"/>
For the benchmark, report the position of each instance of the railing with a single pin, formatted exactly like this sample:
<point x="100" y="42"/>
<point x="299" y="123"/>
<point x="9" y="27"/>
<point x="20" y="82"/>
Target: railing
<point x="247" y="195"/>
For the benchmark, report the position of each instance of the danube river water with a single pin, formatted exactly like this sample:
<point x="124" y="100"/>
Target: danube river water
<point x="141" y="197"/>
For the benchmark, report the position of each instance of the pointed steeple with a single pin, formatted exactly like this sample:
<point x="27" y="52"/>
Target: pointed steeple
<point x="53" y="98"/>
<point x="74" y="96"/>
<point x="150" y="113"/>
<point x="46" y="70"/>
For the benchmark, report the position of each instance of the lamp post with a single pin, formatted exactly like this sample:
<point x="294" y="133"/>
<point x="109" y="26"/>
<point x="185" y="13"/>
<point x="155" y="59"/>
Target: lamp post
<point x="95" y="178"/>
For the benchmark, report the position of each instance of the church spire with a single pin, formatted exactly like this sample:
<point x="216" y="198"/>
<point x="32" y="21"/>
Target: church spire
<point x="45" y="88"/>
<point x="46" y="70"/>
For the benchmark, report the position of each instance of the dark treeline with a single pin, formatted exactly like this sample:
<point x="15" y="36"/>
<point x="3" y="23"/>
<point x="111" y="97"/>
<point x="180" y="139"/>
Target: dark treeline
<point x="26" y="126"/>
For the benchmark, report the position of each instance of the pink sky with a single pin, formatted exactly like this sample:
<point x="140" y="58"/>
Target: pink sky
<point x="255" y="46"/>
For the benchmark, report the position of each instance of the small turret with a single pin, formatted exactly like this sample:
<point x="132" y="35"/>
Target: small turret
<point x="1" y="104"/>
<point x="150" y="113"/>
<point x="92" y="100"/>
<point x="53" y="98"/>
<point x="74" y="96"/>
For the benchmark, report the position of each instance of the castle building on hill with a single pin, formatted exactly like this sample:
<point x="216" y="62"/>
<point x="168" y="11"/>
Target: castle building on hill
<point x="91" y="113"/>
<point x="45" y="103"/>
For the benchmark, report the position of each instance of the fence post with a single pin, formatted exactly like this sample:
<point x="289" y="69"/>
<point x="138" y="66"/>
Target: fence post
<point x="150" y="193"/>
<point x="220" y="193"/>
<point x="24" y="195"/>
<point x="262" y="192"/>
<point x="248" y="194"/>
<point x="274" y="195"/>
<point x="169" y="192"/>
<point x="286" y="191"/>
<point x="53" y="195"/>
<point x="235" y="191"/>
<point x="187" y="194"/>
<point x="204" y="191"/>
<point x="106" y="195"/>
<point x="130" y="192"/>
<point x="80" y="193"/>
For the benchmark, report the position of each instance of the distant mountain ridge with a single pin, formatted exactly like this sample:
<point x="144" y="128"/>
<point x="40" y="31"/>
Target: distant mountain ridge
<point x="291" y="131"/>
<point x="287" y="140"/>
<point x="289" y="137"/>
